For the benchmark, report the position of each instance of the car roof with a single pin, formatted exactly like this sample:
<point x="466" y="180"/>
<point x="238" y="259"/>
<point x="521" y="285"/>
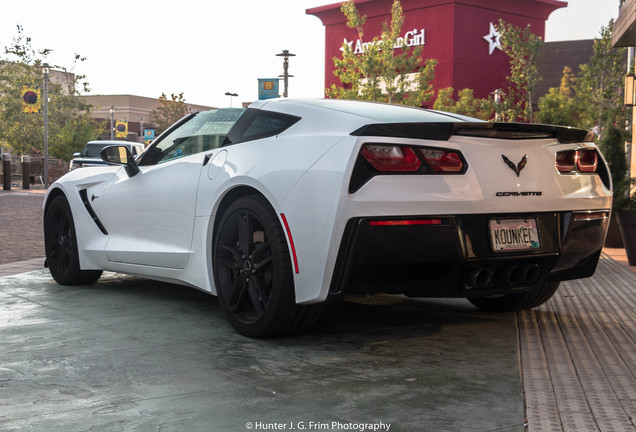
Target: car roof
<point x="373" y="111"/>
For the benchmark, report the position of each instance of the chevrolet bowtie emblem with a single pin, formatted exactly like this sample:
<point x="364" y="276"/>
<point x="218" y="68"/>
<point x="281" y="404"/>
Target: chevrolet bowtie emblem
<point x="516" y="168"/>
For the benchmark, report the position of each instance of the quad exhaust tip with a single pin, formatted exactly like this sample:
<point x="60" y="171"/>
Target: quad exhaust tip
<point x="485" y="277"/>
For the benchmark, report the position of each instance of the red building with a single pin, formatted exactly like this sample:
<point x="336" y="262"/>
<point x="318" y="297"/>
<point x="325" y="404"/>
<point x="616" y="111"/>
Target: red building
<point x="458" y="33"/>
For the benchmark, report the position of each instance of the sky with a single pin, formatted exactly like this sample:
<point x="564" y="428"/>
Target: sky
<point x="207" y="48"/>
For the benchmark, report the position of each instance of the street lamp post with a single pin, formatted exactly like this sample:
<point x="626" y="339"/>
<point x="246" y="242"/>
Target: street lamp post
<point x="497" y="94"/>
<point x="45" y="71"/>
<point x="285" y="55"/>
<point x="112" y="122"/>
<point x="230" y="94"/>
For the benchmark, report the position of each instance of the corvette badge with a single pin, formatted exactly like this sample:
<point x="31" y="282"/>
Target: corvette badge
<point x="516" y="168"/>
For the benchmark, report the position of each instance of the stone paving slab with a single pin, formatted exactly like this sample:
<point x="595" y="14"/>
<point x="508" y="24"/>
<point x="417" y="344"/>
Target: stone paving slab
<point x="131" y="354"/>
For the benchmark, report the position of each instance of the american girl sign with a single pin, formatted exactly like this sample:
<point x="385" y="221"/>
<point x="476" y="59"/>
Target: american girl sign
<point x="411" y="38"/>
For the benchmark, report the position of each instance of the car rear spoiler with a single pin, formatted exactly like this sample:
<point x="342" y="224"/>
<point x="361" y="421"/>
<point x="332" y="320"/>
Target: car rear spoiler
<point x="443" y="131"/>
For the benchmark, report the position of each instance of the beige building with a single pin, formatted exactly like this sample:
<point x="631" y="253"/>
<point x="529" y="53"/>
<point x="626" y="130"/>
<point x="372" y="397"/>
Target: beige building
<point x="136" y="110"/>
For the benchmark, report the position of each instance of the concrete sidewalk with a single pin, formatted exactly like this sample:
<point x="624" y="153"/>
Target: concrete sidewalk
<point x="131" y="354"/>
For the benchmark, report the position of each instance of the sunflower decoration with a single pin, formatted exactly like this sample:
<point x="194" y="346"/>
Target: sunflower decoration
<point x="31" y="99"/>
<point x="121" y="129"/>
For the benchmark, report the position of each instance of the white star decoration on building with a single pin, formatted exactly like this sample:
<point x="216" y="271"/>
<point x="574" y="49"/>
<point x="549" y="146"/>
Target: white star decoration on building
<point x="494" y="40"/>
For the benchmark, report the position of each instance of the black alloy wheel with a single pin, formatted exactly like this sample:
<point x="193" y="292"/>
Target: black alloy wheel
<point x="60" y="245"/>
<point x="253" y="272"/>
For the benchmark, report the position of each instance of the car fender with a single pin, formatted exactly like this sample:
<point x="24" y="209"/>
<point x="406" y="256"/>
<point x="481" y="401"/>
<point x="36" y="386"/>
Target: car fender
<point x="257" y="167"/>
<point x="313" y="210"/>
<point x="91" y="241"/>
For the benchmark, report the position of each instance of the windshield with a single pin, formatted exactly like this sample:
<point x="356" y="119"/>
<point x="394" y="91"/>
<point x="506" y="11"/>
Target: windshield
<point x="205" y="131"/>
<point x="93" y="150"/>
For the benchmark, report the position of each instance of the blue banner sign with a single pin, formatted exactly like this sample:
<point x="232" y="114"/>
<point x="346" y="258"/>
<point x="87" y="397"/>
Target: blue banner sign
<point x="267" y="88"/>
<point x="149" y="135"/>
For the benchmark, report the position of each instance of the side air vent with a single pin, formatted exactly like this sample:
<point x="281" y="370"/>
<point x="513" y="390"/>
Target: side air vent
<point x="84" y="195"/>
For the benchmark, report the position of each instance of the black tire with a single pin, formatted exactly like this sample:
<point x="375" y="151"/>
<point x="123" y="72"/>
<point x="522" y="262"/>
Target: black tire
<point x="253" y="272"/>
<point x="60" y="243"/>
<point x="516" y="302"/>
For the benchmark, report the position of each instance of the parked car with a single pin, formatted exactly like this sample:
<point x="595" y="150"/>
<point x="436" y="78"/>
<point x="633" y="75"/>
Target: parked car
<point x="290" y="204"/>
<point x="90" y="155"/>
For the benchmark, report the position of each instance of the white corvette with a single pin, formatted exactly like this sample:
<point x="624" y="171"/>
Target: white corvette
<point x="290" y="204"/>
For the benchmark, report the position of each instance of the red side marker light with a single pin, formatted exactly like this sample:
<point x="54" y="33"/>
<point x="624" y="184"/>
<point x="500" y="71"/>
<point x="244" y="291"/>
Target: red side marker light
<point x="291" y="241"/>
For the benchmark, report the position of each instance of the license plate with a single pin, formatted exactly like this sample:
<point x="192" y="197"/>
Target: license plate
<point x="514" y="234"/>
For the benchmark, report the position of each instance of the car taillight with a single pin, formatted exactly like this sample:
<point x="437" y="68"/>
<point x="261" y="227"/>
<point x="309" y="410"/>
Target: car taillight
<point x="391" y="157"/>
<point x="565" y="161"/>
<point x="584" y="160"/>
<point x="442" y="160"/>
<point x="376" y="159"/>
<point x="587" y="160"/>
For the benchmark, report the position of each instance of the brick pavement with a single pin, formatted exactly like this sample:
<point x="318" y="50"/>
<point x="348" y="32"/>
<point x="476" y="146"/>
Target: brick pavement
<point x="21" y="235"/>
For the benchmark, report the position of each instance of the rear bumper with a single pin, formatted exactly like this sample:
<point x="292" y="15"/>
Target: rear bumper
<point x="454" y="256"/>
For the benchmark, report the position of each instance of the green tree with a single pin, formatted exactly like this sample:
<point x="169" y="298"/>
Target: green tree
<point x="567" y="82"/>
<point x="559" y="106"/>
<point x="22" y="132"/>
<point x="73" y="136"/>
<point x="556" y="108"/>
<point x="599" y="86"/>
<point x="170" y="111"/>
<point x="25" y="132"/>
<point x="594" y="100"/>
<point x="612" y="145"/>
<point x="380" y="73"/>
<point x="599" y="90"/>
<point x="522" y="46"/>
<point x="466" y="103"/>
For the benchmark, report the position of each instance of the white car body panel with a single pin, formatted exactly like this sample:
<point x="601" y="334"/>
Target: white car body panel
<point x="155" y="212"/>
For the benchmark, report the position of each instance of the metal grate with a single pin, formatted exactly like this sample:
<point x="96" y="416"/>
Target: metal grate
<point x="578" y="353"/>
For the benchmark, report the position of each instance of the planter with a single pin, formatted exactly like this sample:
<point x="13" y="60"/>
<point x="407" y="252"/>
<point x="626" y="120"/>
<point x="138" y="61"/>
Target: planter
<point x="627" y="224"/>
<point x="613" y="238"/>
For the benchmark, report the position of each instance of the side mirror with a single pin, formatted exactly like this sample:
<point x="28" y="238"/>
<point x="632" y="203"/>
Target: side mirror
<point x="76" y="155"/>
<point x="120" y="155"/>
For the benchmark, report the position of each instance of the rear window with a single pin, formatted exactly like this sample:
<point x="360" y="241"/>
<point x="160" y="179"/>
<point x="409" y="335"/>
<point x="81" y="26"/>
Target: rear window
<point x="256" y="124"/>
